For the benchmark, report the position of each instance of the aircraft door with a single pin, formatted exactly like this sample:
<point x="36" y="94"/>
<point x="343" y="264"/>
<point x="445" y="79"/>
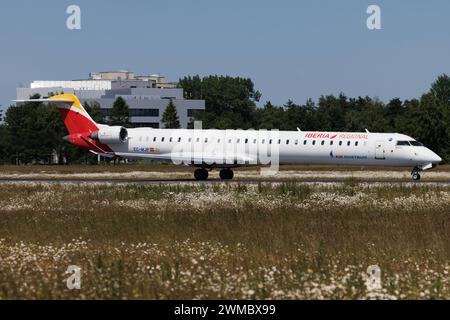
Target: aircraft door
<point x="379" y="150"/>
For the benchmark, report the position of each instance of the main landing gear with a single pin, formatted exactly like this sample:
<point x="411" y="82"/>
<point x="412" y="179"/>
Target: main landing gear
<point x="202" y="174"/>
<point x="415" y="174"/>
<point x="226" y="174"/>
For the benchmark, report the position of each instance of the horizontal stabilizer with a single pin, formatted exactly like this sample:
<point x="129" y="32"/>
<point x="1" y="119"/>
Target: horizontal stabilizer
<point x="45" y="100"/>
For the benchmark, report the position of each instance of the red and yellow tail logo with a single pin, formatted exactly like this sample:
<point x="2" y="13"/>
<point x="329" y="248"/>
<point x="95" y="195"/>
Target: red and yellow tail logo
<point x="75" y="117"/>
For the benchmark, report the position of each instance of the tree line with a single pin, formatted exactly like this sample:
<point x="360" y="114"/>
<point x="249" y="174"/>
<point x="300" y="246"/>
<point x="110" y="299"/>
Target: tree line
<point x="32" y="132"/>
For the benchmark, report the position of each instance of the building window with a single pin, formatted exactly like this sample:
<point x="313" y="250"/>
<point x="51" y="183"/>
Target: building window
<point x="144" y="112"/>
<point x="193" y="112"/>
<point x="154" y="125"/>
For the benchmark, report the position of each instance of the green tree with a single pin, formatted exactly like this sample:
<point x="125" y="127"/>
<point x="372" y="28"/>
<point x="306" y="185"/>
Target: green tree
<point x="120" y="113"/>
<point x="440" y="89"/>
<point x="170" y="117"/>
<point x="95" y="111"/>
<point x="33" y="131"/>
<point x="230" y="101"/>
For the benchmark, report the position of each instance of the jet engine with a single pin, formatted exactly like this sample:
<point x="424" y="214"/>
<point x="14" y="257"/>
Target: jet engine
<point x="110" y="135"/>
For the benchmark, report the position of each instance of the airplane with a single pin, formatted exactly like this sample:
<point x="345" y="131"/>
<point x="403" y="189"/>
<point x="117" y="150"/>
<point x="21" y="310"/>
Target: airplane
<point x="227" y="149"/>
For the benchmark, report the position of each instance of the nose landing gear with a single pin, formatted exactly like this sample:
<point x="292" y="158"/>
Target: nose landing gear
<point x="415" y="174"/>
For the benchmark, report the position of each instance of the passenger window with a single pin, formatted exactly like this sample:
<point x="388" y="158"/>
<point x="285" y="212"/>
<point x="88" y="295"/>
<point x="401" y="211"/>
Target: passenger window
<point x="348" y="143"/>
<point x="154" y="139"/>
<point x="314" y="142"/>
<point x="279" y="141"/>
<point x="340" y="143"/>
<point x="246" y="140"/>
<point x="262" y="142"/>
<point x="206" y="140"/>
<point x="162" y="139"/>
<point x="229" y="140"/>
<point x="190" y="139"/>
<point x="198" y="139"/>
<point x="238" y="140"/>
<point x="218" y="140"/>
<point x="323" y="142"/>
<point x="254" y="141"/>
<point x="170" y="139"/>
<point x="287" y="141"/>
<point x="331" y="142"/>
<point x="304" y="142"/>
<point x="270" y="141"/>
<point x="356" y="143"/>
<point x="296" y="142"/>
<point x="179" y="139"/>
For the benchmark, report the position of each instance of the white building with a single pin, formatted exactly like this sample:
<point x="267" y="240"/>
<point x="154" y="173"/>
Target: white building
<point x="147" y="96"/>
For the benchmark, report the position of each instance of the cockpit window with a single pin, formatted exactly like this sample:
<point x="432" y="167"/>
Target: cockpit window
<point x="416" y="144"/>
<point x="403" y="143"/>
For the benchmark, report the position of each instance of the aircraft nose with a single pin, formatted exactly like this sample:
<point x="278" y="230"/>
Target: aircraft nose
<point x="437" y="159"/>
<point x="434" y="158"/>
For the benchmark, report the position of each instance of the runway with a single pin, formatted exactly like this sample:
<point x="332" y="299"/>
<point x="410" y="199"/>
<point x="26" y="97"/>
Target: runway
<point x="218" y="181"/>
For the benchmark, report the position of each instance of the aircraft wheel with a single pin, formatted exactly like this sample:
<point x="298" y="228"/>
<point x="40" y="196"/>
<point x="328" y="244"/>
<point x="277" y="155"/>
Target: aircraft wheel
<point x="226" y="174"/>
<point x="416" y="176"/>
<point x="201" y="174"/>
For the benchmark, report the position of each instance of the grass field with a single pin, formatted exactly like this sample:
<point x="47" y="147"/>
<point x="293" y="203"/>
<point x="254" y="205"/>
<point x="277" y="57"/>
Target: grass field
<point x="278" y="241"/>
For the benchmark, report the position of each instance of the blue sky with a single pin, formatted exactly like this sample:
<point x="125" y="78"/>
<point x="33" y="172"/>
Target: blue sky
<point x="291" y="49"/>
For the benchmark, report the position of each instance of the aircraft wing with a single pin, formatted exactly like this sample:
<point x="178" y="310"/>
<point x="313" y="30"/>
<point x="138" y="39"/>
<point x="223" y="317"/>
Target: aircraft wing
<point x="189" y="158"/>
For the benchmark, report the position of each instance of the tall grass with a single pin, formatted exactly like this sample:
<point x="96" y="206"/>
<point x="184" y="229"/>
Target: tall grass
<point x="224" y="241"/>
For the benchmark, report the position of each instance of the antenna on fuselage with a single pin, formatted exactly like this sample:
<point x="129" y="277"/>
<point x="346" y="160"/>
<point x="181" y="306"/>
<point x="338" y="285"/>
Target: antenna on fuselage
<point x="367" y="131"/>
<point x="298" y="129"/>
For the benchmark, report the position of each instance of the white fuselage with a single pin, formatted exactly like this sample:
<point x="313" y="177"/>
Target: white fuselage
<point x="222" y="148"/>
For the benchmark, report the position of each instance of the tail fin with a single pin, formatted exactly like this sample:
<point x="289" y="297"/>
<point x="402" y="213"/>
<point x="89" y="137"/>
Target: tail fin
<point x="75" y="117"/>
<point x="77" y="121"/>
